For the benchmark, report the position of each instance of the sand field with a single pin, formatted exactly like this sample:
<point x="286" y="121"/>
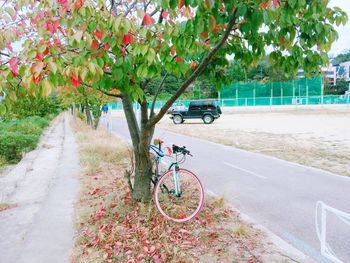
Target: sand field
<point x="314" y="137"/>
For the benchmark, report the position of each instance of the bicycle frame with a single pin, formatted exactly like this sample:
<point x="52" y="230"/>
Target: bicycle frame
<point x="159" y="155"/>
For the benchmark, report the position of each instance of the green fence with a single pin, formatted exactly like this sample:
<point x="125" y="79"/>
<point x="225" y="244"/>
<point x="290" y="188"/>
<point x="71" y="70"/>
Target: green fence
<point x="296" y="92"/>
<point x="289" y="89"/>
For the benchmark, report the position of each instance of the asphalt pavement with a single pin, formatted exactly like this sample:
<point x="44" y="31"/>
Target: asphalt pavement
<point x="277" y="194"/>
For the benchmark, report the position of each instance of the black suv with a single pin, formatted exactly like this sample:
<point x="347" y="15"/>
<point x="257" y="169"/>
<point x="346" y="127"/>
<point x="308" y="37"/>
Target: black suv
<point x="207" y="110"/>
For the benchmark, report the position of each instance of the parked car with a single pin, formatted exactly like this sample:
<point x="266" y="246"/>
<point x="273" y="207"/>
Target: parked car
<point x="207" y="110"/>
<point x="177" y="106"/>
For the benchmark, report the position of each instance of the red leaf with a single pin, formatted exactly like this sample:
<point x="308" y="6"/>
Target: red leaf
<point x="64" y="4"/>
<point x="17" y="32"/>
<point x="127" y="39"/>
<point x="164" y="14"/>
<point x="98" y="34"/>
<point x="216" y="30"/>
<point x="57" y="42"/>
<point x="95" y="44"/>
<point x="75" y="80"/>
<point x="178" y="60"/>
<point x="37" y="68"/>
<point x="147" y="20"/>
<point x="14" y="66"/>
<point x="39" y="57"/>
<point x="123" y="51"/>
<point x="204" y="34"/>
<point x="35" y="20"/>
<point x="107" y="46"/>
<point x="275" y="3"/>
<point x="36" y="79"/>
<point x="8" y="46"/>
<point x="173" y="51"/>
<point x="50" y="27"/>
<point x="193" y="65"/>
<point x="181" y="3"/>
<point x="56" y="24"/>
<point x="78" y="4"/>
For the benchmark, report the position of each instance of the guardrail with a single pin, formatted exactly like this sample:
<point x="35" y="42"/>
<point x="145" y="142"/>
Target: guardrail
<point x="321" y="229"/>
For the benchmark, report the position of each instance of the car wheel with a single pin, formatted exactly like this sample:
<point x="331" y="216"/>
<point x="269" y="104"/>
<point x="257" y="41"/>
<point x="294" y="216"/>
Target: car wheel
<point x="177" y="119"/>
<point x="207" y="119"/>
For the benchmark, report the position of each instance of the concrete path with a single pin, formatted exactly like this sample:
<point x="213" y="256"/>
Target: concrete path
<point x="277" y="194"/>
<point x="44" y="188"/>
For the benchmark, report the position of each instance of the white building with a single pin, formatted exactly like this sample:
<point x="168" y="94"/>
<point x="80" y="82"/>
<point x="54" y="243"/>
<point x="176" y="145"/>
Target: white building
<point x="329" y="73"/>
<point x="343" y="71"/>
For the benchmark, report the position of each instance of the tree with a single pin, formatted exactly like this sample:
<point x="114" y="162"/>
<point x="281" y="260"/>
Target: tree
<point x="341" y="58"/>
<point x="124" y="45"/>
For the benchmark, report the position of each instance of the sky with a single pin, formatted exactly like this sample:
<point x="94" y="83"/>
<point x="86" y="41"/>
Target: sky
<point x="343" y="42"/>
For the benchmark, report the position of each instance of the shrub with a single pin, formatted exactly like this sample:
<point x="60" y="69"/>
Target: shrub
<point x="32" y="106"/>
<point x="26" y="128"/>
<point x="19" y="136"/>
<point x="14" y="144"/>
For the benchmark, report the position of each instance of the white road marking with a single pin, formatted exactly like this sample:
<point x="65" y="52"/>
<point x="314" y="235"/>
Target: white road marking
<point x="246" y="171"/>
<point x="212" y="193"/>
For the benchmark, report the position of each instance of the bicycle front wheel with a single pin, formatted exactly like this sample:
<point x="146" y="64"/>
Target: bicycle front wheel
<point x="182" y="205"/>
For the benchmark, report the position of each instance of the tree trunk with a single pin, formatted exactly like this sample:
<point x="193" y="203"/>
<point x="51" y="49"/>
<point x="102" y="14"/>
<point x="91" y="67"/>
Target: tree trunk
<point x="143" y="167"/>
<point x="140" y="137"/>
<point x="88" y="115"/>
<point x="143" y="174"/>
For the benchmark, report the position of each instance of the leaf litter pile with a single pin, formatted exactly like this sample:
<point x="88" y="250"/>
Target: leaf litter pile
<point x="113" y="228"/>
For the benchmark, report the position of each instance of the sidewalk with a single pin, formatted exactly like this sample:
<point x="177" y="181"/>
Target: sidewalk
<point x="44" y="188"/>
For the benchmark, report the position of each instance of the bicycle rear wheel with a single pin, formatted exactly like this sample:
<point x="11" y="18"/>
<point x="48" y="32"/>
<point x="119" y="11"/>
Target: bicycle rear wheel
<point x="180" y="208"/>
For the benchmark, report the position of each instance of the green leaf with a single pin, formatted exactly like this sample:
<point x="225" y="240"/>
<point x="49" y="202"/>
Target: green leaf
<point x="144" y="49"/>
<point x="173" y="4"/>
<point x="151" y="55"/>
<point x="2" y="109"/>
<point x="31" y="54"/>
<point x="92" y="67"/>
<point x="52" y="67"/>
<point x="241" y="10"/>
<point x="78" y="35"/>
<point x="41" y="48"/>
<point x="10" y="11"/>
<point x="46" y="87"/>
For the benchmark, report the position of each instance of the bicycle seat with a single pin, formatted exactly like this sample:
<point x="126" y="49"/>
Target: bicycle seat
<point x="156" y="150"/>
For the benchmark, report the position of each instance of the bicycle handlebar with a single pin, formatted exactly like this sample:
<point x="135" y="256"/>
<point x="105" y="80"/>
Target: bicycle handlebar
<point x="183" y="150"/>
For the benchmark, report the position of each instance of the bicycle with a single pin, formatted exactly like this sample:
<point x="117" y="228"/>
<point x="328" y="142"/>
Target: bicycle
<point x="178" y="193"/>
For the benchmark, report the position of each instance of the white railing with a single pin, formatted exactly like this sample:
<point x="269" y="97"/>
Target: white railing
<point x="321" y="229"/>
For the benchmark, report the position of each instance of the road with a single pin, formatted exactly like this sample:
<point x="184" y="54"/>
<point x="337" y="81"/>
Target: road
<point x="277" y="194"/>
<point x="44" y="186"/>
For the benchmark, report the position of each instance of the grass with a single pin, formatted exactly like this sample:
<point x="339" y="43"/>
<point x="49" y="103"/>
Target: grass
<point x="113" y="228"/>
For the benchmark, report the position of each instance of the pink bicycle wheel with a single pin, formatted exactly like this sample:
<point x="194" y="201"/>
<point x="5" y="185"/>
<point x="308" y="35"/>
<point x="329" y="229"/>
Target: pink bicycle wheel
<point x="187" y="204"/>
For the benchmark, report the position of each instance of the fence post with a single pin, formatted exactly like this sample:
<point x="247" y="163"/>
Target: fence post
<point x="109" y="118"/>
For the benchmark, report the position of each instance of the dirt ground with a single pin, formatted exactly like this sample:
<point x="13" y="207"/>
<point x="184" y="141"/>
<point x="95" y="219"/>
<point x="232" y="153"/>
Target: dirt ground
<point x="314" y="137"/>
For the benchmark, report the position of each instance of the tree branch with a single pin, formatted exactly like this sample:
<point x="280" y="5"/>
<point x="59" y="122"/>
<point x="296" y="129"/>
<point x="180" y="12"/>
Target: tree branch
<point x="156" y="95"/>
<point x="130" y="8"/>
<point x="196" y="72"/>
<point x="110" y="94"/>
<point x="131" y="120"/>
<point x="4" y="54"/>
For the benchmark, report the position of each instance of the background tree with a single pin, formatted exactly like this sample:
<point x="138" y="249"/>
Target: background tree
<point x="124" y="45"/>
<point x="340" y="58"/>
